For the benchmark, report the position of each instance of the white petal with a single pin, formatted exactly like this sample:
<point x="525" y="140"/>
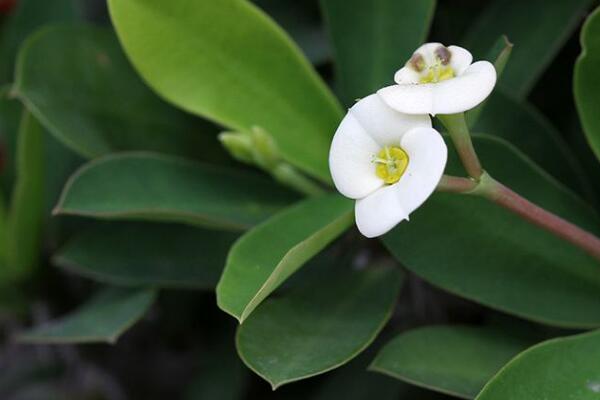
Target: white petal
<point x="427" y="50"/>
<point x="350" y="160"/>
<point x="427" y="154"/>
<point x="385" y="208"/>
<point x="379" y="212"/>
<point x="406" y="75"/>
<point x="465" y="91"/>
<point x="385" y="125"/>
<point x="451" y="96"/>
<point x="460" y="59"/>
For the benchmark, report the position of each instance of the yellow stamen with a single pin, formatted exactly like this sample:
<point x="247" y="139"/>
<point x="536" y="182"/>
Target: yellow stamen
<point x="437" y="73"/>
<point x="391" y="162"/>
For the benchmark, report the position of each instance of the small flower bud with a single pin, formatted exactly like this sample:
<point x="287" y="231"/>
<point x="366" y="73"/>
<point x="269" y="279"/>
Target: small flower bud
<point x="239" y="145"/>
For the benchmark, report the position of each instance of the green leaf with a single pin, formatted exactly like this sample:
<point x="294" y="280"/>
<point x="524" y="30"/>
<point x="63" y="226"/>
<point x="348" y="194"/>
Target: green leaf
<point x="267" y="255"/>
<point x="319" y="327"/>
<point x="480" y="251"/>
<point x="457" y="360"/>
<point x="373" y="39"/>
<point x="146" y="254"/>
<point x="79" y="84"/>
<point x="301" y="20"/>
<point x="146" y="186"/>
<point x="559" y="369"/>
<point x="24" y="224"/>
<point x="354" y="382"/>
<point x="538" y="28"/>
<point x="586" y="81"/>
<point x="524" y="126"/>
<point x="103" y="319"/>
<point x="28" y="16"/>
<point x="197" y="55"/>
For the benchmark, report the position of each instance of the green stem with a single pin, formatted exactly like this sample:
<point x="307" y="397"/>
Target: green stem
<point x="290" y="176"/>
<point x="459" y="133"/>
<point x="494" y="191"/>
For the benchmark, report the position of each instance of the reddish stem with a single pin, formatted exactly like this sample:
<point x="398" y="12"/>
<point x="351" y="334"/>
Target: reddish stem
<point x="505" y="197"/>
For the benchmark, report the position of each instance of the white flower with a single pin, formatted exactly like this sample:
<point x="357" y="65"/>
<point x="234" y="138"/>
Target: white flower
<point x="388" y="161"/>
<point x="440" y="80"/>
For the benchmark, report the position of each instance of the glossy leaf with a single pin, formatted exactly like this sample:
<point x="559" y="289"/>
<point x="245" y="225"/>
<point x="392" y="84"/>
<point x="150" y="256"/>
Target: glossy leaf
<point x="24" y="223"/>
<point x="103" y="319"/>
<point x="373" y="39"/>
<point x="26" y="18"/>
<point x="457" y="360"/>
<point x="147" y="186"/>
<point x="534" y="135"/>
<point x="587" y="81"/>
<point x="146" y="254"/>
<point x="319" y="327"/>
<point x="354" y="382"/>
<point x="196" y="55"/>
<point x="79" y="84"/>
<point x="564" y="368"/>
<point x="301" y="20"/>
<point x="267" y="255"/>
<point x="538" y="28"/>
<point x="493" y="257"/>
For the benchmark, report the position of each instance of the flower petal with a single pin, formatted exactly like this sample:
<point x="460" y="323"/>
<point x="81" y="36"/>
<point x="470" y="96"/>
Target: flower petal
<point x="427" y="154"/>
<point x="427" y="50"/>
<point x="350" y="160"/>
<point x="379" y="212"/>
<point x="385" y="125"/>
<point x="451" y="96"/>
<point x="385" y="208"/>
<point x="406" y="75"/>
<point x="460" y="60"/>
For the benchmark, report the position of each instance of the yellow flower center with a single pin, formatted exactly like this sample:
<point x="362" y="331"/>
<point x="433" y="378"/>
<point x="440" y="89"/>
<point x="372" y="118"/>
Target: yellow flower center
<point x="437" y="73"/>
<point x="390" y="164"/>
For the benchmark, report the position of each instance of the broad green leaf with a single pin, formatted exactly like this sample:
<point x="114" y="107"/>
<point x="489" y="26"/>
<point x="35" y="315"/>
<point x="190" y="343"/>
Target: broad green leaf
<point x="373" y="39"/>
<point x="267" y="255"/>
<point x="538" y="28"/>
<point x="146" y="254"/>
<point x="24" y="224"/>
<point x="457" y="360"/>
<point x="146" y="186"/>
<point x="79" y="84"/>
<point x="27" y="17"/>
<point x="354" y="382"/>
<point x="524" y="126"/>
<point x="103" y="319"/>
<point x="318" y="327"/>
<point x="478" y="250"/>
<point x="586" y="81"/>
<point x="301" y="20"/>
<point x="227" y="61"/>
<point x="559" y="369"/>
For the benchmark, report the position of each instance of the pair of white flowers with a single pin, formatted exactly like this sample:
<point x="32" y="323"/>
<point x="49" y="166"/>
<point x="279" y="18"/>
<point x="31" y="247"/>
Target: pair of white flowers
<point x="385" y="154"/>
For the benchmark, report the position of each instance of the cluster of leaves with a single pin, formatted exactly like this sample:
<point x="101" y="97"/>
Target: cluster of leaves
<point x="114" y="133"/>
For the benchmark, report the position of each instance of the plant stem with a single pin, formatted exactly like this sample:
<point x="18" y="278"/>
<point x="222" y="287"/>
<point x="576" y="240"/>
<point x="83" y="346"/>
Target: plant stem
<point x="459" y="132"/>
<point x="496" y="192"/>
<point x="291" y="177"/>
<point x="455" y="184"/>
